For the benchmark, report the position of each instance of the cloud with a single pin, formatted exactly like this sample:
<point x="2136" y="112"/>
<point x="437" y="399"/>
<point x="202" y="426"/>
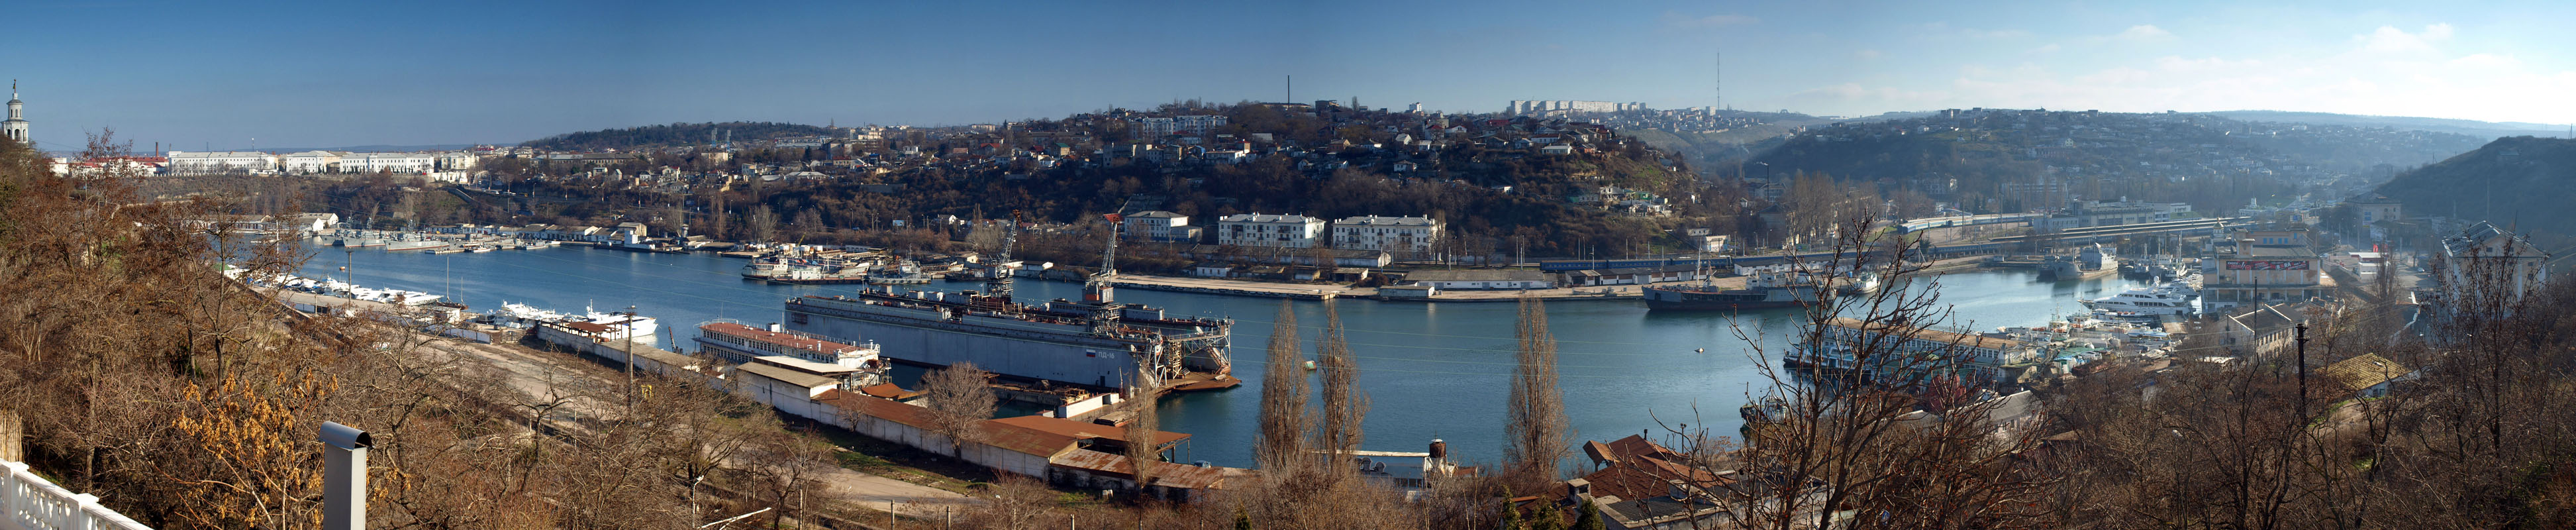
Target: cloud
<point x="1943" y="30"/>
<point x="2143" y="32"/>
<point x="1679" y="20"/>
<point x="2391" y="39"/>
<point x="2045" y="48"/>
<point x="1866" y="54"/>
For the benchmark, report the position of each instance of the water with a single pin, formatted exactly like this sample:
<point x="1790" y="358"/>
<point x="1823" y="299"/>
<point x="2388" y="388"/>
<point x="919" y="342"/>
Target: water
<point x="1430" y="370"/>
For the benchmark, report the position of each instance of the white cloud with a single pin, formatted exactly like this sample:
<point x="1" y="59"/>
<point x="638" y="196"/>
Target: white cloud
<point x="2144" y="32"/>
<point x="1866" y="54"/>
<point x="2045" y="48"/>
<point x="2391" y="39"/>
<point x="1711" y="21"/>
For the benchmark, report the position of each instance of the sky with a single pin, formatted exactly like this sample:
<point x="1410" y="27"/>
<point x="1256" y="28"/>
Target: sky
<point x="195" y="75"/>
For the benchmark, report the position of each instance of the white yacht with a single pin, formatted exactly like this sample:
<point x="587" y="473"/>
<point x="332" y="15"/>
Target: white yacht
<point x="2144" y="301"/>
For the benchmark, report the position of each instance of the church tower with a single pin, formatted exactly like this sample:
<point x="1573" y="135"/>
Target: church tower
<point x="16" y="127"/>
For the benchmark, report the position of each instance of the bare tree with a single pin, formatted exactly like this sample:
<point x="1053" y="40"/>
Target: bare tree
<point x="1536" y="434"/>
<point x="961" y="396"/>
<point x="1282" y="446"/>
<point x="1143" y="424"/>
<point x="1344" y="405"/>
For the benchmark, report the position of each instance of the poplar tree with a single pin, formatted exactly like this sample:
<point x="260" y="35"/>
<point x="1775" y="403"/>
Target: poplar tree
<point x="1537" y="433"/>
<point x="1282" y="445"/>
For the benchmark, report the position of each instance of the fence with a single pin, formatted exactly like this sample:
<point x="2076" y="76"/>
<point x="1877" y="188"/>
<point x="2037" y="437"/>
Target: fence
<point x="29" y="502"/>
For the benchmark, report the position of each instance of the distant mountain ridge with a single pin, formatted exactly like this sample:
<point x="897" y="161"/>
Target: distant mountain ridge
<point x="2481" y="129"/>
<point x="2523" y="181"/>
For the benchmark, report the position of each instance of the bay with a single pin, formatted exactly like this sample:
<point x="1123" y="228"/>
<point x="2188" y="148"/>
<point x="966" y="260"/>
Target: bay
<point x="1430" y="370"/>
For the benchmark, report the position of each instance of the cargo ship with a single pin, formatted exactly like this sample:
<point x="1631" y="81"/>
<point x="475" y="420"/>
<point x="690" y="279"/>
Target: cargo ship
<point x="1096" y="342"/>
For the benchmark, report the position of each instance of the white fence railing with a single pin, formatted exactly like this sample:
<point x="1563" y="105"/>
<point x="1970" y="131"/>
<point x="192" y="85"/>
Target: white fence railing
<point x="29" y="502"/>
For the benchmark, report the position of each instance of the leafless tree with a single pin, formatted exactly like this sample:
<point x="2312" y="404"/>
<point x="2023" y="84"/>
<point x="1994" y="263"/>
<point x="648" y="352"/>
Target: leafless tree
<point x="961" y="397"/>
<point x="1284" y="421"/>
<point x="1537" y="435"/>
<point x="1344" y="405"/>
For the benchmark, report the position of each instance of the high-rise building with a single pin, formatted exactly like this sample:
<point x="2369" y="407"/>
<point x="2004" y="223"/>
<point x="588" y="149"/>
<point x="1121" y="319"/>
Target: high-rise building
<point x="16" y="127"/>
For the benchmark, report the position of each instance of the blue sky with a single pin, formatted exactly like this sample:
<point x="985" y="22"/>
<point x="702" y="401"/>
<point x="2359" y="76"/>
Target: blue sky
<point x="193" y="75"/>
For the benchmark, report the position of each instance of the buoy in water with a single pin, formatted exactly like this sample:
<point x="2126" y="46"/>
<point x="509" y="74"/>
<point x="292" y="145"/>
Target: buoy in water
<point x="1699" y="350"/>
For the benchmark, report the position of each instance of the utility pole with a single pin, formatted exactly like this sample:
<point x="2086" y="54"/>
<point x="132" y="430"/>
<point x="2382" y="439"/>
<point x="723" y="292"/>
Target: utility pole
<point x="630" y="362"/>
<point x="2301" y="337"/>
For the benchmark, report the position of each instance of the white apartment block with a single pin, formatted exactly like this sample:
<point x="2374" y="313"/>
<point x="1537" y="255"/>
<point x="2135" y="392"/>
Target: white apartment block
<point x="1266" y="230"/>
<point x="403" y="163"/>
<point x="1401" y="236"/>
<point x="1196" y="125"/>
<point x="1161" y="226"/>
<point x="184" y="162"/>
<point x="309" y="162"/>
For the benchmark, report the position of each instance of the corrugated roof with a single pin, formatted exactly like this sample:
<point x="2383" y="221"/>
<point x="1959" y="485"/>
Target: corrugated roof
<point x="1166" y="474"/>
<point x="788" y="376"/>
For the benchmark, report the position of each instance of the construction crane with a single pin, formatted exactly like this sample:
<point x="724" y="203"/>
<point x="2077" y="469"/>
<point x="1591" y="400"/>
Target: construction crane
<point x="999" y="286"/>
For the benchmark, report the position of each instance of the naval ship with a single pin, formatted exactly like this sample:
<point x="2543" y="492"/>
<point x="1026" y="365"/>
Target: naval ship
<point x="1096" y="342"/>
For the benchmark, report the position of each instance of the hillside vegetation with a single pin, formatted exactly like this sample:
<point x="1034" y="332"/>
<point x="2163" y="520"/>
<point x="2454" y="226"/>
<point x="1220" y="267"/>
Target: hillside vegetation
<point x="2522" y="181"/>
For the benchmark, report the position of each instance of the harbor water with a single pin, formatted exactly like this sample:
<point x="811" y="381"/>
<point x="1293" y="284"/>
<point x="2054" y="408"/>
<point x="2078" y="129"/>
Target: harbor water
<point x="1430" y="370"/>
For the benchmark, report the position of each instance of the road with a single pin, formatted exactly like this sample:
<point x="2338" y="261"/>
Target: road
<point x="586" y="389"/>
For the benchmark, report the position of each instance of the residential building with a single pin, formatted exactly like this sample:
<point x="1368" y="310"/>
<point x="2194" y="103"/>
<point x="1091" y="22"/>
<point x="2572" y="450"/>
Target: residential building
<point x="1407" y="237"/>
<point x="2486" y="261"/>
<point x="1266" y="230"/>
<point x="2264" y="266"/>
<point x="309" y="162"/>
<point x="1161" y="226"/>
<point x="403" y="163"/>
<point x="2261" y="332"/>
<point x="1195" y="125"/>
<point x="202" y="162"/>
<point x="2374" y="208"/>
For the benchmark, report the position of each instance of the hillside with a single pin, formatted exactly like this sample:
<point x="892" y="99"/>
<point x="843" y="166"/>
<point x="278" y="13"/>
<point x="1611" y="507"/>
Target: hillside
<point x="2215" y="163"/>
<point x="2523" y="181"/>
<point x="2480" y="129"/>
<point x="672" y="135"/>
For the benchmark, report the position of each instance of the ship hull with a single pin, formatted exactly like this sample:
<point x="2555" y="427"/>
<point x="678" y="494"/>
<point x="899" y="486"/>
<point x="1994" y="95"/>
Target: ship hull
<point x="1062" y="351"/>
<point x="1668" y="299"/>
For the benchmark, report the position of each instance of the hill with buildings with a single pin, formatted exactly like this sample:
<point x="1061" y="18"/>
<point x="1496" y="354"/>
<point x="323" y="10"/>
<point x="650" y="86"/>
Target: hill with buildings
<point x="2480" y="129"/>
<point x="2522" y="181"/>
<point x="676" y="134"/>
<point x="2008" y="160"/>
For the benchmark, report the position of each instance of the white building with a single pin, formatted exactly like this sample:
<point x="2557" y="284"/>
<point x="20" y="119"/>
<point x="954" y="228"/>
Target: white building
<point x="309" y="162"/>
<point x="1402" y="236"/>
<point x="1265" y="230"/>
<point x="1161" y="226"/>
<point x="400" y="163"/>
<point x="1195" y="125"/>
<point x="202" y="162"/>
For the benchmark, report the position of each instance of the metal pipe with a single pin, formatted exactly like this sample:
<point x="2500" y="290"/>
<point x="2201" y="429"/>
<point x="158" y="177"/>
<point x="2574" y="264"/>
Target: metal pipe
<point x="344" y="472"/>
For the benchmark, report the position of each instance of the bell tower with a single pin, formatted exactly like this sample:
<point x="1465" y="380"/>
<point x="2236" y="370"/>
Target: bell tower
<point x="16" y="127"/>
